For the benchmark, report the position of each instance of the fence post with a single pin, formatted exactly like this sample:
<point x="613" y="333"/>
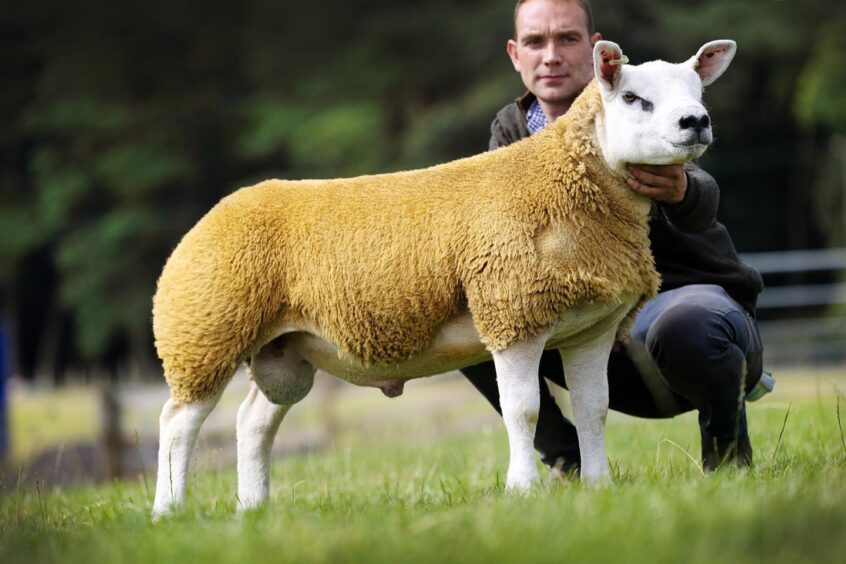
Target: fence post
<point x="112" y="432"/>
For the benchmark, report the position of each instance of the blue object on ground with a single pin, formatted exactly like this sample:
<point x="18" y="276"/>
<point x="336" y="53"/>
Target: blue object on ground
<point x="764" y="386"/>
<point x="4" y="373"/>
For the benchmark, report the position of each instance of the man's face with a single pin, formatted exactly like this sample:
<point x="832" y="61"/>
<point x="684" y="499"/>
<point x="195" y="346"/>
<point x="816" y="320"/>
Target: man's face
<point x="553" y="51"/>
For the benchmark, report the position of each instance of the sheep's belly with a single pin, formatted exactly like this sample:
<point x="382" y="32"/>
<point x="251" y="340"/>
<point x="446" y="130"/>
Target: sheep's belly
<point x="456" y="345"/>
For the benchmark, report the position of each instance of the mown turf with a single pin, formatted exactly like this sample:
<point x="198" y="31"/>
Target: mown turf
<point x="444" y="501"/>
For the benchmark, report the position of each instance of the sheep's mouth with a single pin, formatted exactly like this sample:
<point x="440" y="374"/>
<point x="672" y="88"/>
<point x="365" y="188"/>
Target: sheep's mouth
<point x="683" y="152"/>
<point x="689" y="146"/>
<point x="691" y="150"/>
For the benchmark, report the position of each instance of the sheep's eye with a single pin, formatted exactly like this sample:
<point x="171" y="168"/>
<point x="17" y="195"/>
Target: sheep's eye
<point x="629" y="97"/>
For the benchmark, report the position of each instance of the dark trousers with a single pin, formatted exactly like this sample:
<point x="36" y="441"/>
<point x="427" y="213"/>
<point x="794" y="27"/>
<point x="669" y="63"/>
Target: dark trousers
<point x="690" y="348"/>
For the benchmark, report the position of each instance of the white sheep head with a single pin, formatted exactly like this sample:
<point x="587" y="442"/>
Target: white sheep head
<point x="653" y="111"/>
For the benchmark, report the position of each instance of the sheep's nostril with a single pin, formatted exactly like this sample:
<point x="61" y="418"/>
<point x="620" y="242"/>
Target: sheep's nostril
<point x="688" y="122"/>
<point x="693" y="122"/>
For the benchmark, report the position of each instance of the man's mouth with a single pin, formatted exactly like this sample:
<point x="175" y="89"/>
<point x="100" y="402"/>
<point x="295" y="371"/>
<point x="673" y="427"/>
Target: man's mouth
<point x="553" y="77"/>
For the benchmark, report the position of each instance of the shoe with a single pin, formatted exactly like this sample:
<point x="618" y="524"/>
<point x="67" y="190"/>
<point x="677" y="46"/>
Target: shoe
<point x="563" y="469"/>
<point x="715" y="456"/>
<point x="717" y="452"/>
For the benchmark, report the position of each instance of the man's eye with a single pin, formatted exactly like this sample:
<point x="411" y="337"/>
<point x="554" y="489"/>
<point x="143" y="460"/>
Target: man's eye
<point x="629" y="97"/>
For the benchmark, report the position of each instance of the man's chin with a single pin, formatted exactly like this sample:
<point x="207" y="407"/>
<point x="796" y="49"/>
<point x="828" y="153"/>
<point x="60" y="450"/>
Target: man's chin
<point x="561" y="93"/>
<point x="556" y="97"/>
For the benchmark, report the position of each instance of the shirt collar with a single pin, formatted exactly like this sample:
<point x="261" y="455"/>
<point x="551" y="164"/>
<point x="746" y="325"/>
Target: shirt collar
<point x="535" y="118"/>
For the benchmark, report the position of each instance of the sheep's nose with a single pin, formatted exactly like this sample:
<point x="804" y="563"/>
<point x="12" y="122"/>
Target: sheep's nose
<point x="695" y="123"/>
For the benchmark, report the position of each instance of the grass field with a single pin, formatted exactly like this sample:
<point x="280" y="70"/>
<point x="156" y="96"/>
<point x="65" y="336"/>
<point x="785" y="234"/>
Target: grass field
<point x="395" y="497"/>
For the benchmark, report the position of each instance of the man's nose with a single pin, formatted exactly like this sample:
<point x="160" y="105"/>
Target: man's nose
<point x="550" y="54"/>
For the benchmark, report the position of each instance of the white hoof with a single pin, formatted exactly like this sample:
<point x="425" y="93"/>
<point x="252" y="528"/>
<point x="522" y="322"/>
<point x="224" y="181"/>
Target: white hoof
<point x="596" y="480"/>
<point x="159" y="514"/>
<point x="521" y="483"/>
<point x="246" y="506"/>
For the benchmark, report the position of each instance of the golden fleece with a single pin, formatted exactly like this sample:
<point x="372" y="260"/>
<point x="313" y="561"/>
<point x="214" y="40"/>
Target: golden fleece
<point x="378" y="264"/>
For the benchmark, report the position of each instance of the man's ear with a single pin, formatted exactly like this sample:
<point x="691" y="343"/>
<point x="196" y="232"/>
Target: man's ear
<point x="713" y="59"/>
<point x="594" y="38"/>
<point x="608" y="61"/>
<point x="511" y="47"/>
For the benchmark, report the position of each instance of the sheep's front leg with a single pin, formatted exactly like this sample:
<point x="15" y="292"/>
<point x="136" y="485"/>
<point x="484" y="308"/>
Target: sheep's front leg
<point x="586" y="372"/>
<point x="519" y="396"/>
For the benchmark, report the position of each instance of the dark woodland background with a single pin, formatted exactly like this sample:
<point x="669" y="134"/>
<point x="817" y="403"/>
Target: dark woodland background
<point x="124" y="122"/>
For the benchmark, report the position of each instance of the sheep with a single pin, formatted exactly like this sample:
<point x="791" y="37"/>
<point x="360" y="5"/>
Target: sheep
<point x="379" y="279"/>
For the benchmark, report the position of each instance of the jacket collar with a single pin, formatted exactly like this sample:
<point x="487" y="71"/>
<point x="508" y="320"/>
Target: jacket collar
<point x="523" y="102"/>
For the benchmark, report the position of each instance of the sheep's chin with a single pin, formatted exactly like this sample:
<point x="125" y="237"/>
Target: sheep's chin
<point x="681" y="152"/>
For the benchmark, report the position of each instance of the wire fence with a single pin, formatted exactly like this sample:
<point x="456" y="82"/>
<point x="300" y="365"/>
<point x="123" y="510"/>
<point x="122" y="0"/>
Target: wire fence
<point x="802" y="323"/>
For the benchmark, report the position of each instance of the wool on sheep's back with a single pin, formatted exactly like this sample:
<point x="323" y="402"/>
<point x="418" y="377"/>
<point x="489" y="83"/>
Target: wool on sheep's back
<point x="378" y="264"/>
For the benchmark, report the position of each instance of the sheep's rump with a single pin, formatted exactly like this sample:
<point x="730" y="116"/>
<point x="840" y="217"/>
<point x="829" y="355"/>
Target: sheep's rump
<point x="372" y="274"/>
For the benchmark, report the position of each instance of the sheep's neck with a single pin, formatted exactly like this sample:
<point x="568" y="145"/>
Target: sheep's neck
<point x="617" y="166"/>
<point x="580" y="166"/>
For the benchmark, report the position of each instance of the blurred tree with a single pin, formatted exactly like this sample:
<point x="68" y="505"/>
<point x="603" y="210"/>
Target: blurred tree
<point x="820" y="104"/>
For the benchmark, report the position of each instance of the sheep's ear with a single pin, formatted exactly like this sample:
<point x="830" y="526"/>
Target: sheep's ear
<point x="608" y="61"/>
<point x="713" y="59"/>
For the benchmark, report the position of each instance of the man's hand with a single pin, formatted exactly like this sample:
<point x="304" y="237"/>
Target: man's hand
<point x="663" y="183"/>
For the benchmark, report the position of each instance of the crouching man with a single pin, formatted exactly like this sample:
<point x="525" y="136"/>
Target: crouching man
<point x="695" y="345"/>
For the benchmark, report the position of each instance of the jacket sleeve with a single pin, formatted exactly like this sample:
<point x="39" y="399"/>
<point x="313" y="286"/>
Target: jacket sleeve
<point x="499" y="138"/>
<point x="509" y="126"/>
<point x="699" y="208"/>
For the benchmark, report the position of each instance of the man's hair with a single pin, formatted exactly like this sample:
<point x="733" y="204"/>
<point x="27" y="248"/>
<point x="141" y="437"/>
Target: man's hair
<point x="585" y="4"/>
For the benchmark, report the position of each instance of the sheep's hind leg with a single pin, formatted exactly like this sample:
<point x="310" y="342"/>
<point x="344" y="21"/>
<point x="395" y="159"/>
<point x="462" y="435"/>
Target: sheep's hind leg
<point x="179" y="426"/>
<point x="586" y="372"/>
<point x="281" y="378"/>
<point x="519" y="396"/>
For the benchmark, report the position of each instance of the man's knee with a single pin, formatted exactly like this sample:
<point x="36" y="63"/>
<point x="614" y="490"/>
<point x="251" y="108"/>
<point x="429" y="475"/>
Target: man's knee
<point x="685" y="332"/>
<point x="699" y="349"/>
